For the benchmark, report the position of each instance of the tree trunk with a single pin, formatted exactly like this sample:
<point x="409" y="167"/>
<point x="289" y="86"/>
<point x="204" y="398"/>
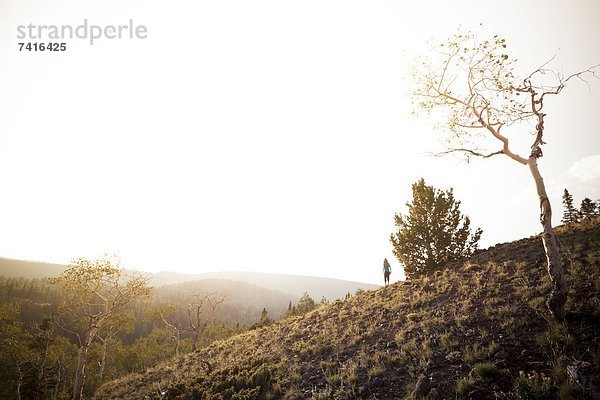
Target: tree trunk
<point x="79" y="380"/>
<point x="103" y="358"/>
<point x="558" y="296"/>
<point x="58" y="379"/>
<point x="195" y="340"/>
<point x="42" y="371"/>
<point x="19" y="382"/>
<point x="80" y="373"/>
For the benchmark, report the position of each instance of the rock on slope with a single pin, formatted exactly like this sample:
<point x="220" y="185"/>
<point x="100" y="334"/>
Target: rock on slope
<point x="477" y="329"/>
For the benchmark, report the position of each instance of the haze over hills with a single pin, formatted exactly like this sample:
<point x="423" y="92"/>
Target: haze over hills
<point x="244" y="304"/>
<point x="244" y="301"/>
<point x="294" y="285"/>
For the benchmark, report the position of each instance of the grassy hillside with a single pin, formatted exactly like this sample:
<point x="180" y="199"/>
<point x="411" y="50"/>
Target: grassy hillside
<point x="476" y="330"/>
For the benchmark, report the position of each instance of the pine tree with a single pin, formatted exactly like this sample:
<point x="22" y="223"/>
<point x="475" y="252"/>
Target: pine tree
<point x="290" y="310"/>
<point x="324" y="301"/>
<point x="264" y="318"/>
<point x="306" y="304"/>
<point x="570" y="214"/>
<point x="433" y="232"/>
<point x="588" y="208"/>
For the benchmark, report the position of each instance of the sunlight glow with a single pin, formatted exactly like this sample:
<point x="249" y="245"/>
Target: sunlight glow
<point x="262" y="136"/>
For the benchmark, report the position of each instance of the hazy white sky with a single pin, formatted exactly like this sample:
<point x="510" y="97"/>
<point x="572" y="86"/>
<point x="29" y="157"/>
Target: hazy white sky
<point x="264" y="135"/>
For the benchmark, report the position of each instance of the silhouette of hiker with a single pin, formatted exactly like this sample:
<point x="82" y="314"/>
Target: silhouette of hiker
<point x="387" y="270"/>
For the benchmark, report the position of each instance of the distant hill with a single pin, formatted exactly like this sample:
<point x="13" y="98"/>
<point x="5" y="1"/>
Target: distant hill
<point x="295" y="285"/>
<point x="478" y="329"/>
<point x="317" y="287"/>
<point x="245" y="301"/>
<point x="29" y="269"/>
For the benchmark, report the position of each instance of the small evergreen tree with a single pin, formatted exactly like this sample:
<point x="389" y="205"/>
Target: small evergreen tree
<point x="305" y="304"/>
<point x="264" y="318"/>
<point x="570" y="214"/>
<point x="433" y="232"/>
<point x="588" y="208"/>
<point x="290" y="310"/>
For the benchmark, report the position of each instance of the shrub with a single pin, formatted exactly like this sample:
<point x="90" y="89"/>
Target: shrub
<point x="567" y="391"/>
<point x="532" y="386"/>
<point x="464" y="386"/>
<point x="485" y="370"/>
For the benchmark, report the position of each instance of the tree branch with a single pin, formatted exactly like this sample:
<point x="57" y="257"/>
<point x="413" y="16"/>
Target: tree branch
<point x="57" y="321"/>
<point x="467" y="151"/>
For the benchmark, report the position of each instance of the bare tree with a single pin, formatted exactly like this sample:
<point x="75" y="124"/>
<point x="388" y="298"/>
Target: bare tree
<point x="214" y="302"/>
<point x="197" y="320"/>
<point x="93" y="291"/>
<point x="167" y="314"/>
<point x="472" y="84"/>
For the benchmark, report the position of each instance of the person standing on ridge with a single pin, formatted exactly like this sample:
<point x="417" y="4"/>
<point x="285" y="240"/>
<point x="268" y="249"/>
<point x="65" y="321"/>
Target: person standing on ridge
<point x="387" y="270"/>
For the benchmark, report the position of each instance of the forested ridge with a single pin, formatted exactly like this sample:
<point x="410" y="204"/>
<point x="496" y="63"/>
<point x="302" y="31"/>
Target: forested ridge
<point x="38" y="353"/>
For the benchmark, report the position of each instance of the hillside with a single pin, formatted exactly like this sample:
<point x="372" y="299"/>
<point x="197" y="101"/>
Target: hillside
<point x="476" y="330"/>
<point x="29" y="269"/>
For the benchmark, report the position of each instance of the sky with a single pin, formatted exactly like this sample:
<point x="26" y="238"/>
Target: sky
<point x="271" y="136"/>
